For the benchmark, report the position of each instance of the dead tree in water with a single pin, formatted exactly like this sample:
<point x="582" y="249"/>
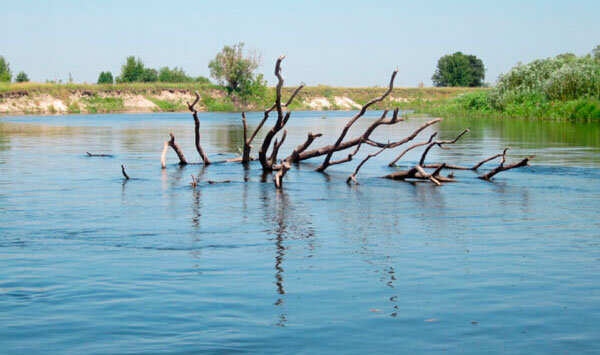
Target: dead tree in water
<point x="171" y="143"/>
<point x="287" y="163"/>
<point x="282" y="119"/>
<point x="502" y="167"/>
<point x="300" y="153"/>
<point x="197" y="129"/>
<point x="417" y="172"/>
<point x="326" y="163"/>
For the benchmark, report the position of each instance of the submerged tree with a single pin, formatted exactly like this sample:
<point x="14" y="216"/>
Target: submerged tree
<point x="21" y="77"/>
<point x="459" y="69"/>
<point x="5" y="74"/>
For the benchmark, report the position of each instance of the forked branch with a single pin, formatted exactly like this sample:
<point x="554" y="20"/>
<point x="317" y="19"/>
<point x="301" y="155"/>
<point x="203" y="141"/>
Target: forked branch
<point x="197" y="129"/>
<point x="500" y="168"/>
<point x="286" y="164"/>
<point x="362" y="111"/>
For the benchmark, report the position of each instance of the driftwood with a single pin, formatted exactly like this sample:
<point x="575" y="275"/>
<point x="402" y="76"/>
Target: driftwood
<point x="474" y="167"/>
<point x="197" y="129"/>
<point x="163" y="156"/>
<point x="301" y="152"/>
<point x="98" y="155"/>
<point x="418" y="172"/>
<point x="282" y="119"/>
<point x="352" y="176"/>
<point x="287" y="163"/>
<point x="124" y="173"/>
<point x="177" y="150"/>
<point x="338" y="142"/>
<point x="248" y="141"/>
<point x="502" y="167"/>
<point x="393" y="162"/>
<point x="440" y="144"/>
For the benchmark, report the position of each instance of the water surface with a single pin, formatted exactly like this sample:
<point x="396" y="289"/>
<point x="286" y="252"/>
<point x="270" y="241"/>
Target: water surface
<point x="91" y="263"/>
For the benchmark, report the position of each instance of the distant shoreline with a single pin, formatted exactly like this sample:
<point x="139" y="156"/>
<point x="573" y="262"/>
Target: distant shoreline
<point x="61" y="99"/>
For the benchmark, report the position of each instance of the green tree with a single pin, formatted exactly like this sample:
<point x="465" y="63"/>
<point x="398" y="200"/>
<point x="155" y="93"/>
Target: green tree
<point x="149" y="75"/>
<point x="202" y="80"/>
<point x="459" y="70"/>
<point x="131" y="71"/>
<point x="234" y="69"/>
<point x="21" y="77"/>
<point x="5" y="74"/>
<point x="105" y="78"/>
<point x="175" y="75"/>
<point x="596" y="53"/>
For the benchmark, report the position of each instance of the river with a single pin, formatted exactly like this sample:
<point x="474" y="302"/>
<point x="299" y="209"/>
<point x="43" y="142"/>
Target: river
<point x="91" y="263"/>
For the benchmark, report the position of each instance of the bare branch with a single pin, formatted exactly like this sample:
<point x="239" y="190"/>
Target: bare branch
<point x="276" y="146"/>
<point x="197" y="129"/>
<point x="124" y="173"/>
<point x="352" y="176"/>
<point x="362" y="111"/>
<point x="163" y="156"/>
<point x="177" y="150"/>
<point x="501" y="167"/>
<point x="422" y="161"/>
<point x="393" y="162"/>
<point x="286" y="164"/>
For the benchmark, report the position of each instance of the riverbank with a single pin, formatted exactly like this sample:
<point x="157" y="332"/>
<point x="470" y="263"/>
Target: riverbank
<point x="49" y="99"/>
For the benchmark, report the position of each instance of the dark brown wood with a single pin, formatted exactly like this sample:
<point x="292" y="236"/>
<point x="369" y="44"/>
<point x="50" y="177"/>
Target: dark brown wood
<point x="352" y="176"/>
<point x="197" y="129"/>
<point x="177" y="150"/>
<point x="474" y="167"/>
<point x="276" y="146"/>
<point x="286" y="164"/>
<point x="124" y="173"/>
<point x="393" y="162"/>
<point x="364" y="138"/>
<point x="98" y="155"/>
<point x="500" y="168"/>
<point x="440" y="143"/>
<point x="282" y="118"/>
<point x="362" y="111"/>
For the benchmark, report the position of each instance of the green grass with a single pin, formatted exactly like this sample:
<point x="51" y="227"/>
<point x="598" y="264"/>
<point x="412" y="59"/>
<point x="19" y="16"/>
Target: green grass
<point x="476" y="104"/>
<point x="97" y="104"/>
<point x="167" y="106"/>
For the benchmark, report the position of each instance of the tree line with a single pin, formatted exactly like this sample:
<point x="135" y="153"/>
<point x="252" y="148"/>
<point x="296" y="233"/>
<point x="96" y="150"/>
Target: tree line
<point x="235" y="69"/>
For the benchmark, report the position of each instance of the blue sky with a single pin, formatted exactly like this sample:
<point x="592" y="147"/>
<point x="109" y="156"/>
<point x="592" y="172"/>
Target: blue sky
<point x="342" y="43"/>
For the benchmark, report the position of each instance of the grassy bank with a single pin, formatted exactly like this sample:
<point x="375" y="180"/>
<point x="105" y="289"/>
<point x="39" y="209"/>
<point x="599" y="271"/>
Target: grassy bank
<point x="565" y="87"/>
<point x="36" y="98"/>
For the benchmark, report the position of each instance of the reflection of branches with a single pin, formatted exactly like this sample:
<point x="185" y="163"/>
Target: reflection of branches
<point x="196" y="202"/>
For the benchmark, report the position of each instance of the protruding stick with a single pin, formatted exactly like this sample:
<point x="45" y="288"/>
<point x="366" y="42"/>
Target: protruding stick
<point x="124" y="173"/>
<point x="177" y="150"/>
<point x="163" y="156"/>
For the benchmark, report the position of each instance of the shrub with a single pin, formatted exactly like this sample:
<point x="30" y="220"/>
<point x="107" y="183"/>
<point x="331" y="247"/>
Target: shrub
<point x="561" y="78"/>
<point x="175" y="75"/>
<point x="5" y="74"/>
<point x="21" y="77"/>
<point x="105" y="78"/>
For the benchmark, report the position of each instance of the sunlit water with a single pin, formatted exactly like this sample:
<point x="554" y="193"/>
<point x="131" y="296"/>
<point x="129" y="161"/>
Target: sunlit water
<point x="90" y="263"/>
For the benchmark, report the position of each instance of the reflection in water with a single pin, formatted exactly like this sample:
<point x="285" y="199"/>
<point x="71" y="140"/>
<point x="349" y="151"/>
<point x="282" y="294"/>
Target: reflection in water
<point x="196" y="204"/>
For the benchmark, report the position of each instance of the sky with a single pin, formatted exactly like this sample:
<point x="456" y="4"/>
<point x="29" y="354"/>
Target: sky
<point x="337" y="43"/>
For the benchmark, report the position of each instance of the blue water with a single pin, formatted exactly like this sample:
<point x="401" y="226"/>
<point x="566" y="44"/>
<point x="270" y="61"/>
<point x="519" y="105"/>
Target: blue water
<point x="90" y="263"/>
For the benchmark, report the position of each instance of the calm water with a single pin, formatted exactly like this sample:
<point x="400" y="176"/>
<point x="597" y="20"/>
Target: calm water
<point x="92" y="264"/>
